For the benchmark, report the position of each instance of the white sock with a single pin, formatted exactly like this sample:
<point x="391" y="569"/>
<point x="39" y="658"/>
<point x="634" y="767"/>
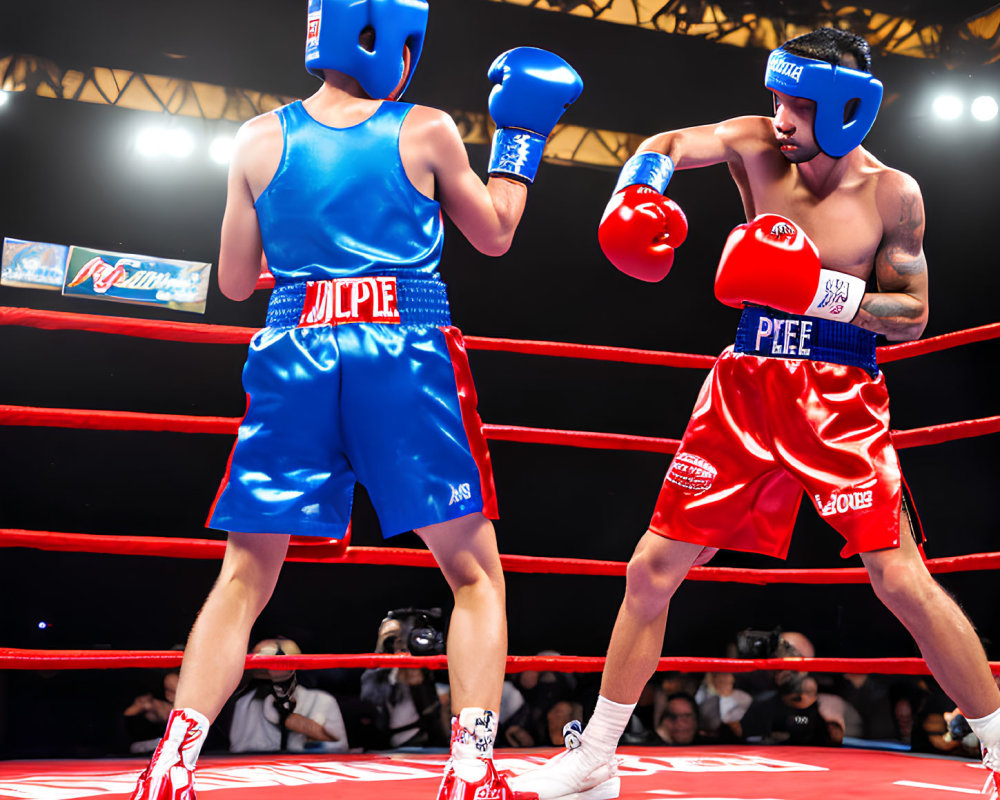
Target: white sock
<point x="606" y="727"/>
<point x="987" y="729"/>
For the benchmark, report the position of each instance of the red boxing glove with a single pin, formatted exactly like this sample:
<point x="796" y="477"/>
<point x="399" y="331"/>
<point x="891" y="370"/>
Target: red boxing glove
<point x="771" y="262"/>
<point x="640" y="230"/>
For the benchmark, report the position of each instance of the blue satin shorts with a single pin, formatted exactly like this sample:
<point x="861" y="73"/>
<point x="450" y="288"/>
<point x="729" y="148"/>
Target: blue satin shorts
<point x="391" y="406"/>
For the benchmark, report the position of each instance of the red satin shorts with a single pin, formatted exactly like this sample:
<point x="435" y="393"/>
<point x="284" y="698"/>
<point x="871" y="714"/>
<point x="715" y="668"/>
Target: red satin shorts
<point x="765" y="429"/>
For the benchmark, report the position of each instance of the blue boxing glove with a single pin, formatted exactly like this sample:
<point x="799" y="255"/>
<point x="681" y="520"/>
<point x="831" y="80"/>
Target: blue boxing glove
<point x="533" y="88"/>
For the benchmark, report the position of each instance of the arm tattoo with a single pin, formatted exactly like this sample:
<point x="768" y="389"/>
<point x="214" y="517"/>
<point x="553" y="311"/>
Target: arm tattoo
<point x="899" y="309"/>
<point x="889" y="306"/>
<point x="904" y="254"/>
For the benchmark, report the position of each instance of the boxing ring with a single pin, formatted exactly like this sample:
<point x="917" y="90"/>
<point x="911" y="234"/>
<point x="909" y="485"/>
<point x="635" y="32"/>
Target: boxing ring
<point x="723" y="773"/>
<point x="693" y="773"/>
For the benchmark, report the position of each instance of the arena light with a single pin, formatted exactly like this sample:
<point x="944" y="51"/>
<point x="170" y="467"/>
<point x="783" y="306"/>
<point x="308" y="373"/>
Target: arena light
<point x="984" y="108"/>
<point x="3" y="99"/>
<point x="221" y="149"/>
<point x="149" y="142"/>
<point x="948" y="106"/>
<point x="179" y="143"/>
<point x="159" y="141"/>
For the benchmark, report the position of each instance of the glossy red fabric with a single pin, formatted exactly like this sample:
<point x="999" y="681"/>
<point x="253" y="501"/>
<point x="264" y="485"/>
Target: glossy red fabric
<point x="765" y="429"/>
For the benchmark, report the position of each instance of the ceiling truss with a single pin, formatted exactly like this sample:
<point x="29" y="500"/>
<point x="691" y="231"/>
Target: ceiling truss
<point x="740" y="23"/>
<point x="568" y="144"/>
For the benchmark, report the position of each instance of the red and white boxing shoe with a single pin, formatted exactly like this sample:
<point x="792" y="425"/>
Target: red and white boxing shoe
<point x="470" y="773"/>
<point x="465" y="781"/>
<point x="170" y="774"/>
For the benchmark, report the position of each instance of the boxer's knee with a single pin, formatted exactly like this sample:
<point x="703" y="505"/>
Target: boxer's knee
<point x="251" y="567"/>
<point x="465" y="549"/>
<point x="900" y="582"/>
<point x="656" y="569"/>
<point x="250" y="592"/>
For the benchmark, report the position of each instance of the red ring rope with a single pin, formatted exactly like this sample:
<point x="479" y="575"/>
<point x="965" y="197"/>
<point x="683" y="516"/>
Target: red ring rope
<point x="170" y="547"/>
<point x="88" y="419"/>
<point x="194" y="548"/>
<point x="197" y="332"/>
<point x="16" y="658"/>
<point x="226" y="334"/>
<point x="126" y="326"/>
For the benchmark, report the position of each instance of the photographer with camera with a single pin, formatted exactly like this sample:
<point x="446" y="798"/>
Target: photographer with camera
<point x="763" y="684"/>
<point x="792" y="710"/>
<point x="274" y="714"/>
<point x="409" y="712"/>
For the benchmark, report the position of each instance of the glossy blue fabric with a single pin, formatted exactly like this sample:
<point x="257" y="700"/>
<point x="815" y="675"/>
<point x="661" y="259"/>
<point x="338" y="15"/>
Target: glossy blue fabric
<point x="331" y="405"/>
<point x="389" y="405"/>
<point x="334" y="27"/>
<point x="340" y="204"/>
<point x="832" y="88"/>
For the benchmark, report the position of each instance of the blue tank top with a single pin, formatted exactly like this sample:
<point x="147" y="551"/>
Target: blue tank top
<point x="340" y="204"/>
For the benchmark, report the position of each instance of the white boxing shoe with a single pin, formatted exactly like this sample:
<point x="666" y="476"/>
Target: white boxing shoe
<point x="571" y="775"/>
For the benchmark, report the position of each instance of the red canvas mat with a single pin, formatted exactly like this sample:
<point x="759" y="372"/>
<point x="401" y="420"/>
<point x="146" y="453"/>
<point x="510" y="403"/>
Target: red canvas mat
<point x="692" y="773"/>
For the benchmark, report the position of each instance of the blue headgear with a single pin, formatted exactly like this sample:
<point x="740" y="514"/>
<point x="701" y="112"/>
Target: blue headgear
<point x="332" y="40"/>
<point x="833" y="88"/>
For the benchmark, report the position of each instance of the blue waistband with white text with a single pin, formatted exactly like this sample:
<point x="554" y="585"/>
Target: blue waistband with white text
<point x="775" y="334"/>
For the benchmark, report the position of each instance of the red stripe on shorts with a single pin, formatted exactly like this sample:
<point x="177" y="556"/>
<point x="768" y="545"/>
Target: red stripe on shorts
<point x="225" y="476"/>
<point x="470" y="418"/>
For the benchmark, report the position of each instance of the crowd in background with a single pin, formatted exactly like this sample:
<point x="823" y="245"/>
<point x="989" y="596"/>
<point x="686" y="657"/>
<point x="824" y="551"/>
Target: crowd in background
<point x="340" y="711"/>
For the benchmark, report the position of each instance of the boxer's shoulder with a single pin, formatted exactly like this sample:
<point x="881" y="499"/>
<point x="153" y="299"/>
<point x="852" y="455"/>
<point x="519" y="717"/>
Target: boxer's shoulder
<point x="746" y="130"/>
<point x="428" y="120"/>
<point x="257" y="132"/>
<point x="887" y="179"/>
<point x="894" y="182"/>
<point x="898" y="197"/>
<point x="748" y="137"/>
<point x="257" y="148"/>
<point x="431" y="131"/>
<point x="261" y="125"/>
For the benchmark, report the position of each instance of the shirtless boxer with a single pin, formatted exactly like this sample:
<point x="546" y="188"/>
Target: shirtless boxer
<point x="798" y="402"/>
<point x="359" y="374"/>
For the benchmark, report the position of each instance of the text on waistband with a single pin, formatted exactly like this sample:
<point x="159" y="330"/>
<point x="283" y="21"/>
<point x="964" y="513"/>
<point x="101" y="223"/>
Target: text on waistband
<point x="344" y="300"/>
<point x="788" y="337"/>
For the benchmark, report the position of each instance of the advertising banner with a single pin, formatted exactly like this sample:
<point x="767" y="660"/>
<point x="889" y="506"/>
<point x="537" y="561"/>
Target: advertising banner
<point x="33" y="265"/>
<point x="129" y="278"/>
